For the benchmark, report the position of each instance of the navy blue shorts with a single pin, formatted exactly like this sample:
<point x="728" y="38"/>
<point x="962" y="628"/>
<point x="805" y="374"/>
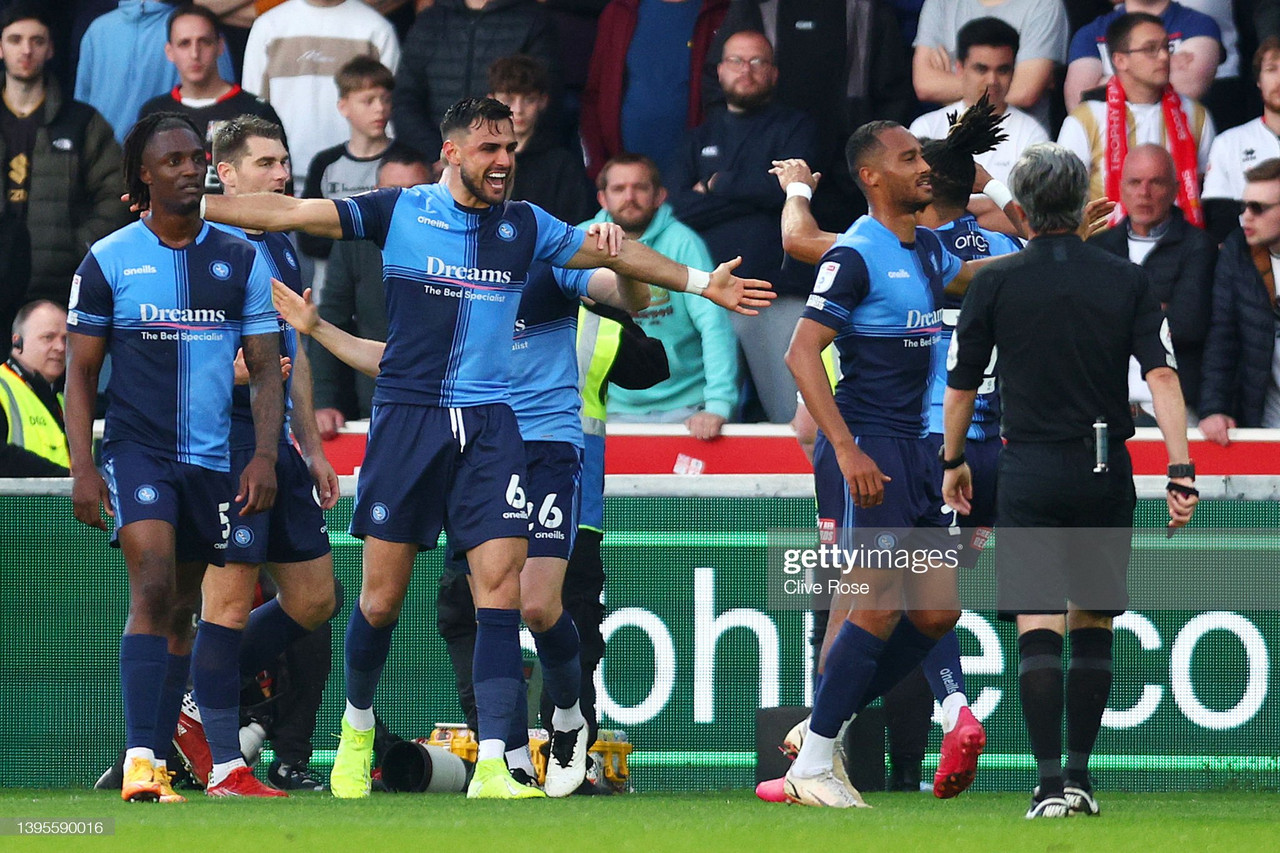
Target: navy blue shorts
<point x="911" y="498"/>
<point x="428" y="468"/>
<point x="971" y="532"/>
<point x="195" y="501"/>
<point x="293" y="530"/>
<point x="554" y="468"/>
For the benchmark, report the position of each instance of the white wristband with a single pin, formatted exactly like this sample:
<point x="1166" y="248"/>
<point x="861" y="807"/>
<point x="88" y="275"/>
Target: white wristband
<point x="697" y="282"/>
<point x="202" y="201"/>
<point x="799" y="188"/>
<point x="998" y="193"/>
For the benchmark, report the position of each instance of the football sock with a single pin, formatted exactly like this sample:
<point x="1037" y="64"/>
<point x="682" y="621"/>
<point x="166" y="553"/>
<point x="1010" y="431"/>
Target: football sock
<point x="816" y="755"/>
<point x="498" y="674"/>
<point x="222" y="769"/>
<point x="270" y="631"/>
<point x="942" y="667"/>
<point x="568" y="719"/>
<point x="367" y="648"/>
<point x="558" y="653"/>
<point x="215" y="677"/>
<point x="951" y="710"/>
<point x="170" y="707"/>
<point x="519" y="759"/>
<point x="143" y="662"/>
<point x="518" y="735"/>
<point x="139" y="752"/>
<point x="851" y="664"/>
<point x="360" y="719"/>
<point x="903" y="652"/>
<point x="1088" y="686"/>
<point x="1040" y="686"/>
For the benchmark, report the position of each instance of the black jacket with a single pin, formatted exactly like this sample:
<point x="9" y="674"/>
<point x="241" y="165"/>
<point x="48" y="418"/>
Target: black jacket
<point x="446" y="55"/>
<point x="1180" y="268"/>
<point x="554" y="178"/>
<point x="76" y="184"/>
<point x="1242" y="338"/>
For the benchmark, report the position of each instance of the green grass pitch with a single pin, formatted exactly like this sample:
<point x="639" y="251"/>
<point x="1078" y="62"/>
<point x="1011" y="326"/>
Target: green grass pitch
<point x="648" y="823"/>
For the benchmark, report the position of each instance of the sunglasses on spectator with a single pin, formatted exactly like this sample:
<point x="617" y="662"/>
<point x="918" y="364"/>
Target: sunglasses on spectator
<point x="1257" y="208"/>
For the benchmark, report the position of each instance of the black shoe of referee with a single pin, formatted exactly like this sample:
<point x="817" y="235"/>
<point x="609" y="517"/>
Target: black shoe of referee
<point x="292" y="777"/>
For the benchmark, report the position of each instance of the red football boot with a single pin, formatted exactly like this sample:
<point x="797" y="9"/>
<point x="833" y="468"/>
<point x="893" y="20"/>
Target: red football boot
<point x="959" y="760"/>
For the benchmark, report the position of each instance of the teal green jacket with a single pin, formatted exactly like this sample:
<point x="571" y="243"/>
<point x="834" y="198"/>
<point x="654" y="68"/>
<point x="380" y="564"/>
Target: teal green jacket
<point x="701" y="346"/>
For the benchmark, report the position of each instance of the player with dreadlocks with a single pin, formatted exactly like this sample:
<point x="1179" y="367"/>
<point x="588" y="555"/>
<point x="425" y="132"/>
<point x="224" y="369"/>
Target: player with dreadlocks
<point x="951" y="176"/>
<point x="170" y="299"/>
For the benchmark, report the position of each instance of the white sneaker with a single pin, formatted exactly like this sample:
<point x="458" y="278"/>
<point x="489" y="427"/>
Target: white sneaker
<point x="1047" y="806"/>
<point x="795" y="739"/>
<point x="822" y="790"/>
<point x="567" y="761"/>
<point x="1080" y="801"/>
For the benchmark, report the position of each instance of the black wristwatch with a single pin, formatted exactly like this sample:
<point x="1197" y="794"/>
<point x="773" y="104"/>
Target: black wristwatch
<point x="949" y="464"/>
<point x="1187" y="469"/>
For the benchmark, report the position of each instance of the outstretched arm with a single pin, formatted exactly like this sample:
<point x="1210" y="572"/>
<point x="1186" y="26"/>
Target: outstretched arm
<point x="300" y="312"/>
<point x="802" y="239"/>
<point x="275" y="212"/>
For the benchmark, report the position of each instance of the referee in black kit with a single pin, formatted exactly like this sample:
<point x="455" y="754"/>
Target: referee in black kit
<point x="1064" y="318"/>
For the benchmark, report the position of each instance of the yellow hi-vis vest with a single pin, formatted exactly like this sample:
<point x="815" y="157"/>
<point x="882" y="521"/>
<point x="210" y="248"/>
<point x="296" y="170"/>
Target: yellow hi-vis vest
<point x="31" y="425"/>
<point x="598" y="342"/>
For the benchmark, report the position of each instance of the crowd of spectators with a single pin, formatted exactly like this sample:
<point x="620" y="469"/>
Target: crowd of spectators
<point x="665" y="116"/>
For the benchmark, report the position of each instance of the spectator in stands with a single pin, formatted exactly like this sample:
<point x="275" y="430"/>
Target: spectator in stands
<point x="447" y="54"/>
<point x="353" y="300"/>
<point x="643" y="89"/>
<point x="1178" y="259"/>
<point x="1230" y="98"/>
<point x="1241" y="148"/>
<point x="195" y="41"/>
<point x="547" y="174"/>
<point x="122" y="62"/>
<point x="1042" y="33"/>
<point x="35" y="442"/>
<point x="1241" y="385"/>
<point x="721" y="188"/>
<point x="61" y="165"/>
<point x="351" y="167"/>
<point x="986" y="49"/>
<point x="701" y="347"/>
<point x="1195" y="45"/>
<point x="1140" y="99"/>
<point x="810" y="38"/>
<point x="293" y="53"/>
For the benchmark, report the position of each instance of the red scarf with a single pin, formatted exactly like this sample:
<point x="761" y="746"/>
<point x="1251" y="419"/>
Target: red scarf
<point x="1182" y="145"/>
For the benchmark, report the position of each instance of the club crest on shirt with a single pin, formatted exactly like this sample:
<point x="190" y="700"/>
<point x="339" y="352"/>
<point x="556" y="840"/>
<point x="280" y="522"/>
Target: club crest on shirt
<point x="220" y="270"/>
<point x="288" y="256"/>
<point x="506" y="231"/>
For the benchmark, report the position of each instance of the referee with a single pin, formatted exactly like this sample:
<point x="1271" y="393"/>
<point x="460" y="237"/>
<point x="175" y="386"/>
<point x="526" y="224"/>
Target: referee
<point x="1065" y="317"/>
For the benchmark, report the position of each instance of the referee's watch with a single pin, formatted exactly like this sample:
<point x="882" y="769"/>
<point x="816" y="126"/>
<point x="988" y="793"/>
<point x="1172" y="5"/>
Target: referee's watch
<point x="1186" y="469"/>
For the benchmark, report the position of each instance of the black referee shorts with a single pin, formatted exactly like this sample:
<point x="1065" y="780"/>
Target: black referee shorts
<point x="1065" y="532"/>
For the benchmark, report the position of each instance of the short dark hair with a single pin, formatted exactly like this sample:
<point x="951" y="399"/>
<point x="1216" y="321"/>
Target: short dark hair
<point x="519" y="74"/>
<point x="986" y="32"/>
<point x="1270" y="44"/>
<point x="25" y="312"/>
<point x="135" y="143"/>
<point x="399" y="154"/>
<point x="363" y="72"/>
<point x="627" y="158"/>
<point x="231" y="138"/>
<point x="864" y="143"/>
<point x="1267" y="170"/>
<point x="473" y="112"/>
<point x="24" y="10"/>
<point x="184" y="9"/>
<point x="1122" y="27"/>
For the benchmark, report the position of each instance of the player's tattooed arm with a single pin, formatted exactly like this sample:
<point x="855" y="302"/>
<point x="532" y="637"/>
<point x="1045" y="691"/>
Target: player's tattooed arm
<point x="258" y="482"/>
<point x="275" y="212"/>
<point x="300" y="312"/>
<point x="88" y="490"/>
